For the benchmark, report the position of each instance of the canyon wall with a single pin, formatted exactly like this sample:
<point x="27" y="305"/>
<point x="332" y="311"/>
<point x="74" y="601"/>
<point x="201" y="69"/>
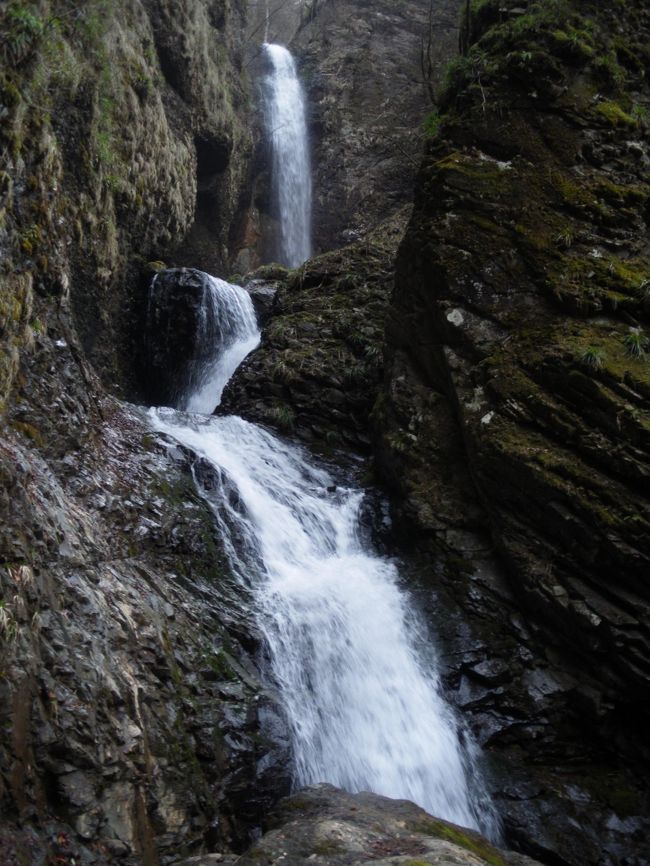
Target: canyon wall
<point x="133" y="724"/>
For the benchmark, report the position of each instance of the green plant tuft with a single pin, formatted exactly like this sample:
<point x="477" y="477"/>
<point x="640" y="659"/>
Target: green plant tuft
<point x="636" y="344"/>
<point x="20" y="31"/>
<point x="592" y="358"/>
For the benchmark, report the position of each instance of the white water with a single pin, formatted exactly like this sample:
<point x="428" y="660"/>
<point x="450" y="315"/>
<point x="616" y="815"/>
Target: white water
<point x="228" y="328"/>
<point x="365" y="712"/>
<point x="284" y="106"/>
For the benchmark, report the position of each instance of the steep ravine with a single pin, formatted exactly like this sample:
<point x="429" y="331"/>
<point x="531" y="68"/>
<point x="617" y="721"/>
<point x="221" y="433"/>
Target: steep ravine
<point x="506" y="411"/>
<point x="512" y="425"/>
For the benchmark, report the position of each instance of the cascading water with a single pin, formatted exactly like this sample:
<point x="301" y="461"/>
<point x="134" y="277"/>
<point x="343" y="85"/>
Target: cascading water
<point x="226" y="331"/>
<point x="364" y="712"/>
<point x="228" y="324"/>
<point x="284" y="108"/>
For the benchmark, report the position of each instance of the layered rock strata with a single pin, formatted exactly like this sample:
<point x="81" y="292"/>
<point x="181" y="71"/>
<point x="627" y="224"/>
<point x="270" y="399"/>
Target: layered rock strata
<point x="513" y="428"/>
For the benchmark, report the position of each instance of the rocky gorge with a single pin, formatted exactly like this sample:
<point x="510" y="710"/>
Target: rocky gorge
<point x="477" y="360"/>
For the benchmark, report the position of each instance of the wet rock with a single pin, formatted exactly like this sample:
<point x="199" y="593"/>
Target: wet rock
<point x="515" y="457"/>
<point x="322" y="824"/>
<point x="368" y="78"/>
<point x="134" y="715"/>
<point x="209" y="860"/>
<point x="318" y="370"/>
<point x="175" y="323"/>
<point x="264" y="296"/>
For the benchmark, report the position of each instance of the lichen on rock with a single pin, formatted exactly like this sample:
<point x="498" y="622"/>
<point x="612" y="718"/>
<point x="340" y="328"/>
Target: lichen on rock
<point x="515" y="416"/>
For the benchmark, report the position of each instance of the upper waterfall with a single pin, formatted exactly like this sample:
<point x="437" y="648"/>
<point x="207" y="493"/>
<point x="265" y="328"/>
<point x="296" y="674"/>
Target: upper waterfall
<point x="286" y="124"/>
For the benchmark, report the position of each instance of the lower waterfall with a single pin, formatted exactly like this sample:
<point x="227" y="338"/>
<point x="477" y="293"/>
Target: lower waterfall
<point x="364" y="709"/>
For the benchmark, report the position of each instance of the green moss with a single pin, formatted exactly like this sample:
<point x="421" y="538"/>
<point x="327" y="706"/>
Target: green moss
<point x="221" y="664"/>
<point x="29" y="431"/>
<point x="9" y="93"/>
<point x="636" y="344"/>
<point x="282" y="416"/>
<point x="576" y="45"/>
<point x="609" y="71"/>
<point x="617" y="364"/>
<point x="618" y="194"/>
<point x="573" y="192"/>
<point x="21" y="29"/>
<point x="30" y="238"/>
<point x="614" y="114"/>
<point x="432" y="124"/>
<point x="327" y="846"/>
<point x="155" y="267"/>
<point x="470" y="842"/>
<point x="270" y="272"/>
<point x="484" y="223"/>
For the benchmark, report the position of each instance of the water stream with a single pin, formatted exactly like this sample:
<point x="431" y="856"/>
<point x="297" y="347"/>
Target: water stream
<point x="285" y="116"/>
<point x="348" y="653"/>
<point x="364" y="708"/>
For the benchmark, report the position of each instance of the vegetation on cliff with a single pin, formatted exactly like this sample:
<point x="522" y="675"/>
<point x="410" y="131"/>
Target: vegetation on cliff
<point x="516" y="408"/>
<point x="110" y="125"/>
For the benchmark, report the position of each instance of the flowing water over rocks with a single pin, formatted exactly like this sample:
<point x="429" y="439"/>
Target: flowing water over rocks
<point x="284" y="106"/>
<point x="199" y="328"/>
<point x="365" y="711"/>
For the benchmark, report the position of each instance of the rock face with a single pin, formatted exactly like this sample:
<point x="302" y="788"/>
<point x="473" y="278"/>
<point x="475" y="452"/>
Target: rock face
<point x="181" y="335"/>
<point x="369" y="68"/>
<point x="322" y="824"/>
<point x="133" y="723"/>
<point x="514" y="424"/>
<point x="368" y="72"/>
<point x="319" y="369"/>
<point x="175" y="311"/>
<point x="123" y="130"/>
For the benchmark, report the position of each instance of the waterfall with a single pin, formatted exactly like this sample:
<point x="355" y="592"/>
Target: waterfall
<point x="364" y="707"/>
<point x="226" y="331"/>
<point x="228" y="323"/>
<point x="284" y="106"/>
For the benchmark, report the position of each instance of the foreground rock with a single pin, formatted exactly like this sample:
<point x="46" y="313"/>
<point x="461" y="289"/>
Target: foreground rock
<point x="133" y="723"/>
<point x="324" y="825"/>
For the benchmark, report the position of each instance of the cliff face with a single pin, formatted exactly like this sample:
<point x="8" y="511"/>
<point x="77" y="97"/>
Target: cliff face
<point x="514" y="426"/>
<point x="368" y="67"/>
<point x="132" y="719"/>
<point x="114" y="118"/>
<point x="320" y="366"/>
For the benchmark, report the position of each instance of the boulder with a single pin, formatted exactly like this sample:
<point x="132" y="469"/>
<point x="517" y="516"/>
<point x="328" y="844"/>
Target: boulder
<point x="173" y="325"/>
<point x="324" y="825"/>
<point x="264" y="296"/>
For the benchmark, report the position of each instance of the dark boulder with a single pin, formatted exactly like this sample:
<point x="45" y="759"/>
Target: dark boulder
<point x="264" y="296"/>
<point x="175" y="318"/>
